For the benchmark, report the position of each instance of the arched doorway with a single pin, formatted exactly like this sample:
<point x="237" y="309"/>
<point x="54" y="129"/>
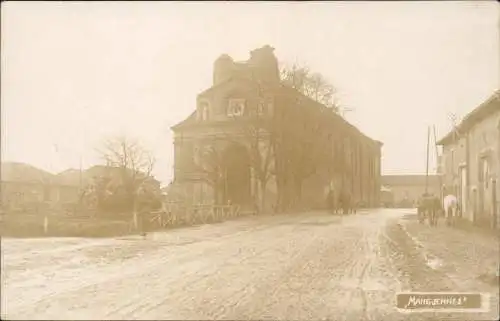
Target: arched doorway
<point x="236" y="165"/>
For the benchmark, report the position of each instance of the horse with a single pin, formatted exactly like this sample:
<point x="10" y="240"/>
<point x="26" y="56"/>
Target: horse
<point x="429" y="207"/>
<point x="345" y="203"/>
<point x="450" y="207"/>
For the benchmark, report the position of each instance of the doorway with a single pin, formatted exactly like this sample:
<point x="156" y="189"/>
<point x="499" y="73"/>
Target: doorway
<point x="236" y="166"/>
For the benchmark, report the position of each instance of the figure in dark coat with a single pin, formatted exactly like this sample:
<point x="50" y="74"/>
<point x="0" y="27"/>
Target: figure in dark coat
<point x="345" y="202"/>
<point x="429" y="208"/>
<point x="329" y="202"/>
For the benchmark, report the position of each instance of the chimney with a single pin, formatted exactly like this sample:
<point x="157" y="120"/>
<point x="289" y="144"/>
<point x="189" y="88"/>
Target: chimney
<point x="223" y="69"/>
<point x="265" y="64"/>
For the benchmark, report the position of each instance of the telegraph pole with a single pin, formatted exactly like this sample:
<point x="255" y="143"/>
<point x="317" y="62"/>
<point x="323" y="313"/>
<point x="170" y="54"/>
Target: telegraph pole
<point x="453" y="119"/>
<point x="438" y="163"/>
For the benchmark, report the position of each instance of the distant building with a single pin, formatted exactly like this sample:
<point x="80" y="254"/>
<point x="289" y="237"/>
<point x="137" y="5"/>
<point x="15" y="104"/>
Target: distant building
<point x="23" y="186"/>
<point x="229" y="129"/>
<point x="405" y="190"/>
<point x="470" y="162"/>
<point x="386" y="197"/>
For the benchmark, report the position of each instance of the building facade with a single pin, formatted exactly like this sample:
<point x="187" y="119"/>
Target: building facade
<point x="255" y="142"/>
<point x="470" y="162"/>
<point x="24" y="186"/>
<point x="406" y="190"/>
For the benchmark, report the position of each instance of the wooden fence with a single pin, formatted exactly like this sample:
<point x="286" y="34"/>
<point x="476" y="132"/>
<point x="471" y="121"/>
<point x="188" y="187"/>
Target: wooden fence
<point x="189" y="215"/>
<point x="173" y="215"/>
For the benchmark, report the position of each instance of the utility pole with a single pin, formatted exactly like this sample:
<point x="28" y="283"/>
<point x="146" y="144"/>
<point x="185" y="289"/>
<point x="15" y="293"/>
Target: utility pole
<point x="427" y="166"/>
<point x="453" y="119"/>
<point x="438" y="163"/>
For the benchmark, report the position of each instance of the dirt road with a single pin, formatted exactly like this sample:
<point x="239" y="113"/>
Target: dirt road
<point x="301" y="267"/>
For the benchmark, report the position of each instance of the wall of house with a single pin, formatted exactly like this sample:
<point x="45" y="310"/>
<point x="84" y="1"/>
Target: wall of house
<point x="483" y="149"/>
<point x="466" y="157"/>
<point x="16" y="194"/>
<point x="453" y="158"/>
<point x="22" y="194"/>
<point x="63" y="194"/>
<point x="359" y="175"/>
<point x="366" y="172"/>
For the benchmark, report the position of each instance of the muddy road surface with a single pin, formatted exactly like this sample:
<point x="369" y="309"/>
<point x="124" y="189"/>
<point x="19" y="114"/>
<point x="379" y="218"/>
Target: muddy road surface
<point x="307" y="266"/>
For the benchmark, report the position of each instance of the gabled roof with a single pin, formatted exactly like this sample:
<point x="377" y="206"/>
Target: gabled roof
<point x="233" y="78"/>
<point x="484" y="110"/>
<point x="21" y="172"/>
<point x="69" y="177"/>
<point x="191" y="119"/>
<point x="333" y="115"/>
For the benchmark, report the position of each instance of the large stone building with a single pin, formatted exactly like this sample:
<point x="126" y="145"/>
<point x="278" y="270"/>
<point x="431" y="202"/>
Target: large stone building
<point x="255" y="142"/>
<point x="470" y="162"/>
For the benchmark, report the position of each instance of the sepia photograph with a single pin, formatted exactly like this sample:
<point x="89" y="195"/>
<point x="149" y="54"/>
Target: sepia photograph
<point x="250" y="160"/>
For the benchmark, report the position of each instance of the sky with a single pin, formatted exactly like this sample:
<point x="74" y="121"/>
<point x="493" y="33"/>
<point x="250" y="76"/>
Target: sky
<point x="76" y="73"/>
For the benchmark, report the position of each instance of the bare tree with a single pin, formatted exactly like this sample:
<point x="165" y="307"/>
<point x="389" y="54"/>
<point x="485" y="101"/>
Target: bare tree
<point x="259" y="131"/>
<point x="309" y="149"/>
<point x="208" y="162"/>
<point x="134" y="163"/>
<point x="311" y="84"/>
<point x="260" y="137"/>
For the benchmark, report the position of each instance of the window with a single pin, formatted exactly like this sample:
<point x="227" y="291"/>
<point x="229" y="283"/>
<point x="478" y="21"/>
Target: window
<point x="486" y="172"/>
<point x="196" y="155"/>
<point x="236" y="107"/>
<point x="203" y="111"/>
<point x="264" y="107"/>
<point x="261" y="108"/>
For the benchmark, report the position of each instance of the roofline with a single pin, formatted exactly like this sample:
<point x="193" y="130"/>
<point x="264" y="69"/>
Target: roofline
<point x="184" y="123"/>
<point x="229" y="79"/>
<point x="469" y="119"/>
<point x="335" y="114"/>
